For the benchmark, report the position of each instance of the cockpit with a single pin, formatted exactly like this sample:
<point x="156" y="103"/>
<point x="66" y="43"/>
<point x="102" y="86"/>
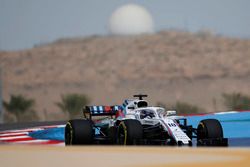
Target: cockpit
<point x="154" y="112"/>
<point x="147" y="113"/>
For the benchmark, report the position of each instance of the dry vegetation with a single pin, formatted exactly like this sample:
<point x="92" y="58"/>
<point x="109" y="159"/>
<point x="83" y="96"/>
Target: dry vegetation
<point x="170" y="66"/>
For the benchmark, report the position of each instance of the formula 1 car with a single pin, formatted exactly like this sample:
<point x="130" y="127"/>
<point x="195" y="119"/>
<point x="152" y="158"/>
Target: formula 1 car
<point x="136" y="123"/>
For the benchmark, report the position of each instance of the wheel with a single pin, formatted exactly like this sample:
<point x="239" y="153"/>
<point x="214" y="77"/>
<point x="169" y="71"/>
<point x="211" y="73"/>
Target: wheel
<point x="79" y="132"/>
<point x="209" y="129"/>
<point x="112" y="134"/>
<point x="129" y="132"/>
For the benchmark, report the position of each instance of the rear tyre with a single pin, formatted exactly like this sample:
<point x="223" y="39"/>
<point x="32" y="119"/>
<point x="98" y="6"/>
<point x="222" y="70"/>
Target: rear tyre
<point x="79" y="132"/>
<point x="130" y="132"/>
<point x="209" y="129"/>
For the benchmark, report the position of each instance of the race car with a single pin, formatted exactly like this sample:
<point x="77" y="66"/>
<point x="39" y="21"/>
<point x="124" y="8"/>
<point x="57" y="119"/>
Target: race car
<point x="136" y="123"/>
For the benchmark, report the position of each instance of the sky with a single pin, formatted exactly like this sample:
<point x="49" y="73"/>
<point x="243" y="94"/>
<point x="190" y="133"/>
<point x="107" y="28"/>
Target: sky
<point x="25" y="23"/>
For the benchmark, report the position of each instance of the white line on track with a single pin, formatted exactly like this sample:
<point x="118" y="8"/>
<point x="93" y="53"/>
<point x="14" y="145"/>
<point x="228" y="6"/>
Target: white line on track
<point x="14" y="134"/>
<point x="14" y="137"/>
<point x="31" y="141"/>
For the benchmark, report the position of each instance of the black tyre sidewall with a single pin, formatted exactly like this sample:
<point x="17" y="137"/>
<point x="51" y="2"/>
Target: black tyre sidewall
<point x="112" y="133"/>
<point x="132" y="130"/>
<point x="79" y="132"/>
<point x="209" y="129"/>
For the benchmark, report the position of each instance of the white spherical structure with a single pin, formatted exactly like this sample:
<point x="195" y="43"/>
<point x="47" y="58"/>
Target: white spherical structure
<point x="131" y="19"/>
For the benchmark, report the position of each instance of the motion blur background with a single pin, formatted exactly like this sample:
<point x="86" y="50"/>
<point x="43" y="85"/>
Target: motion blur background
<point x="57" y="56"/>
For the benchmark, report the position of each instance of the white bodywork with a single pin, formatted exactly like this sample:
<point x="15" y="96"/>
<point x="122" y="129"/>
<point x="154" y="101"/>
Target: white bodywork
<point x="154" y="115"/>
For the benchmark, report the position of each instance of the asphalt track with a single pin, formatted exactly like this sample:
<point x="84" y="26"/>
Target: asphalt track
<point x="25" y="156"/>
<point x="235" y="126"/>
<point x="13" y="155"/>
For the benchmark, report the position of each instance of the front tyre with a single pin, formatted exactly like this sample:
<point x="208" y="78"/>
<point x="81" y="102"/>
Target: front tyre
<point x="79" y="132"/>
<point x="210" y="133"/>
<point x="130" y="132"/>
<point x="209" y="128"/>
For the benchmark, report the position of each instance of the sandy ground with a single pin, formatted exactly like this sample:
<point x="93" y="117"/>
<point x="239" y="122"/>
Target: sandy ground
<point x="89" y="156"/>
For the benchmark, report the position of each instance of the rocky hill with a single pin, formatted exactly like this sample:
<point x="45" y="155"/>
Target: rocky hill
<point x="169" y="66"/>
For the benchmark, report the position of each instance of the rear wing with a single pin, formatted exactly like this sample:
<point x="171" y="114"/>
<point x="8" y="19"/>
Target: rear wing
<point x="102" y="110"/>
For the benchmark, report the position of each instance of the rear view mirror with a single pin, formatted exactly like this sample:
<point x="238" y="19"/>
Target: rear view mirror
<point x="171" y="112"/>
